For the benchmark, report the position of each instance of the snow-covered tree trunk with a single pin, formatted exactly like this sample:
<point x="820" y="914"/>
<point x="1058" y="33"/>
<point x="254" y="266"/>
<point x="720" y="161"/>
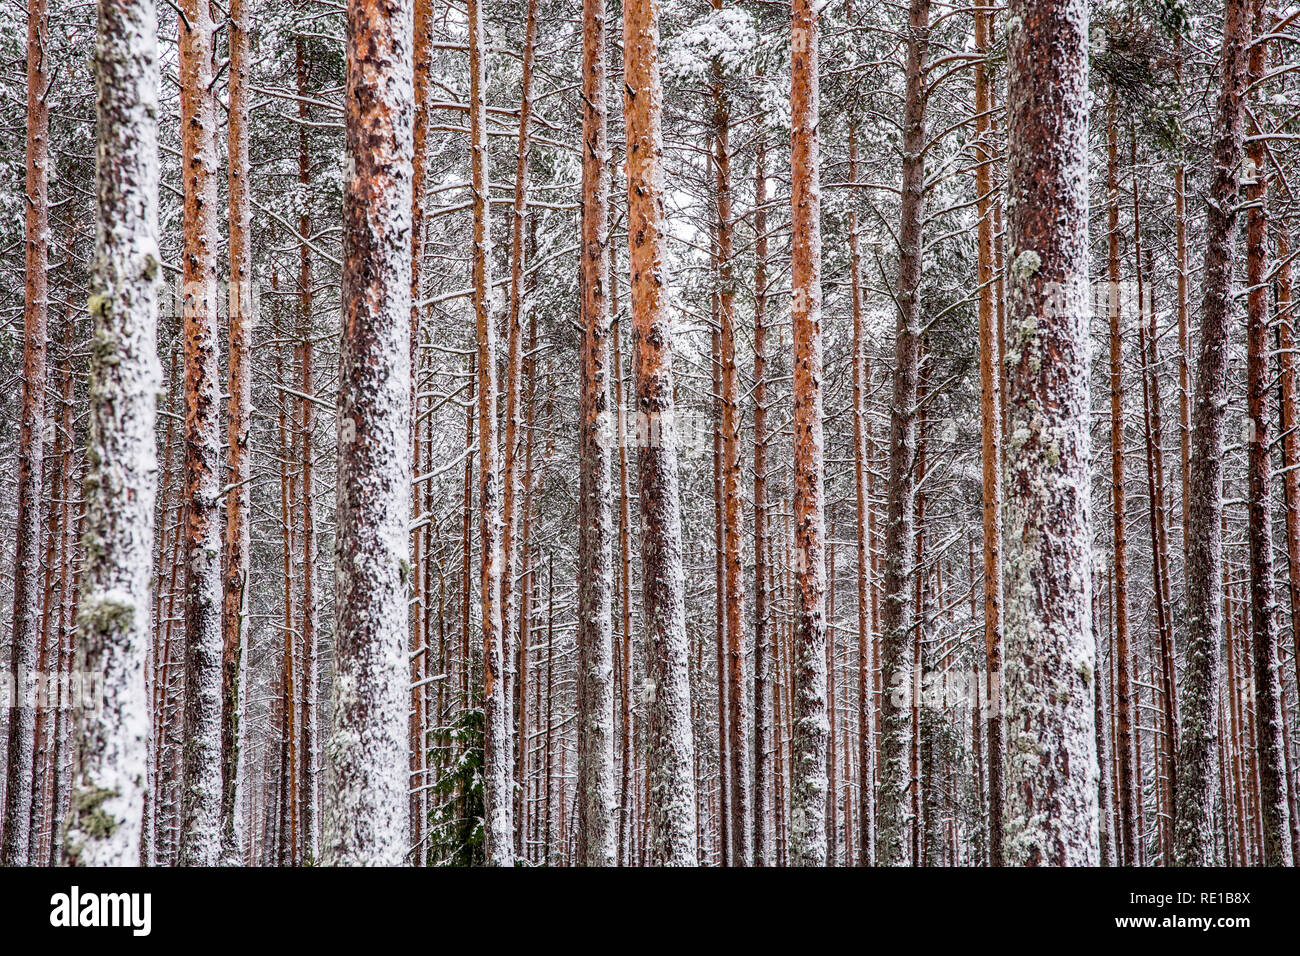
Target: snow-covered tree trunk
<point x="25" y="635"/>
<point x="671" y="745"/>
<point x="1273" y="798"/>
<point x="421" y="609"/>
<point x="811" y="730"/>
<point x="1107" y="855"/>
<point x="742" y="836"/>
<point x="627" y="798"/>
<point x="897" y="625"/>
<point x="596" y="800"/>
<point x="121" y="463"/>
<point x="307" y="710"/>
<point x="497" y="796"/>
<point x="1050" y="654"/>
<point x="764" y="845"/>
<point x="64" y="743"/>
<point x="1128" y="796"/>
<point x="861" y="465"/>
<point x="242" y="320"/>
<point x="1286" y="345"/>
<point x="366" y="819"/>
<point x="510" y="547"/>
<point x="990" y="444"/>
<point x="1198" y="735"/>
<point x="201" y="764"/>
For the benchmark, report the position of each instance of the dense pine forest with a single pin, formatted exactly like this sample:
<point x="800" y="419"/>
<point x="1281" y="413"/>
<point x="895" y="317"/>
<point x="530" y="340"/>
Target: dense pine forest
<point x="649" y="433"/>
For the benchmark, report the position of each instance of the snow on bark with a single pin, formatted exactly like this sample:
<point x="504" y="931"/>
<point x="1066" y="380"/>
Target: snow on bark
<point x="597" y="801"/>
<point x="510" y="547"/>
<point x="670" y="745"/>
<point x="764" y="844"/>
<point x="307" y="717"/>
<point x="741" y="830"/>
<point x="235" y="567"/>
<point x="897" y="624"/>
<point x="1268" y="687"/>
<point x="990" y="446"/>
<point x="201" y="763"/>
<point x="1050" y="654"/>
<point x="497" y="790"/>
<point x="366" y="811"/>
<point x="31" y="453"/>
<point x="861" y="464"/>
<point x="1129" y="813"/>
<point x="811" y="727"/>
<point x="1198" y="734"/>
<point x="121" y="459"/>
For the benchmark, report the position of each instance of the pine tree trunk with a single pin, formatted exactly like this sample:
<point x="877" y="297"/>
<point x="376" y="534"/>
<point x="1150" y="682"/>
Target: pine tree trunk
<point x="1050" y="653"/>
<point x="122" y="464"/>
<point x="991" y="447"/>
<point x="808" y="784"/>
<point x="1128" y="812"/>
<point x="1274" y="804"/>
<point x="422" y="565"/>
<point x="497" y="796"/>
<point x="366" y="820"/>
<point x="627" y="822"/>
<point x="861" y="466"/>
<point x="763" y="685"/>
<point x="306" y="679"/>
<point x="1184" y="347"/>
<point x="898" y="617"/>
<point x="670" y="746"/>
<point x="25" y="635"/>
<point x="201" y="792"/>
<point x="63" y="718"/>
<point x="597" y="802"/>
<point x="514" y="380"/>
<point x="742" y="846"/>
<point x="1198" y="736"/>
<point x="235" y="568"/>
<point x="1290" y="437"/>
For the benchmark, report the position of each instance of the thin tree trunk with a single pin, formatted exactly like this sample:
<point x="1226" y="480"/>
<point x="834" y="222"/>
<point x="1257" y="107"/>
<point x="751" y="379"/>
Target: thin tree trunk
<point x="497" y="797"/>
<point x="1128" y="785"/>
<point x="627" y="822"/>
<point x="235" y="569"/>
<point x="991" y="446"/>
<point x="742" y="836"/>
<point x="809" y="783"/>
<point x="1184" y="347"/>
<point x="897" y="625"/>
<point x="306" y="682"/>
<point x="596" y="806"/>
<point x="422" y="54"/>
<point x="514" y="380"/>
<point x="1290" y="437"/>
<point x="763" y="687"/>
<point x="31" y="451"/>
<point x="63" y="719"/>
<point x="1274" y="804"/>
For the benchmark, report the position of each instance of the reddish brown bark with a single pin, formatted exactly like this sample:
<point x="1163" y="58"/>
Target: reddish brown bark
<point x="671" y="745"/>
<point x="991" y="445"/>
<point x="809" y="783"/>
<point x="31" y="450"/>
